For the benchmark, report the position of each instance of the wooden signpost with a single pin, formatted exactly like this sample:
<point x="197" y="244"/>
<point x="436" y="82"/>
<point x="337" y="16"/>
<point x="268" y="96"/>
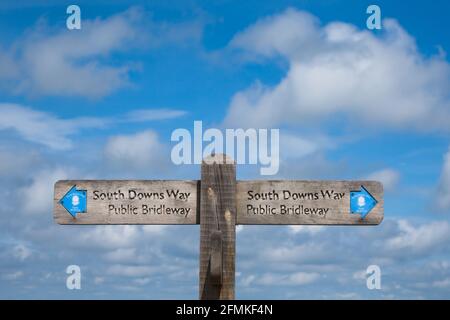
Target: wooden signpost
<point x="218" y="203"/>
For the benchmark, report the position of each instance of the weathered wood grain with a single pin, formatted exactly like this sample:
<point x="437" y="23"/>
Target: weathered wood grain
<point x="99" y="211"/>
<point x="217" y="216"/>
<point x="338" y="209"/>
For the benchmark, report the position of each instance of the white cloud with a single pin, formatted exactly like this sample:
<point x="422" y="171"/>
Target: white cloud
<point x="142" y="281"/>
<point x="14" y="161"/>
<point x="99" y="280"/>
<point x="13" y="275"/>
<point x="42" y="127"/>
<point x="336" y="70"/>
<point x="154" y="229"/>
<point x="110" y="237"/>
<point x="73" y="63"/>
<point x="304" y="253"/>
<point x="138" y="151"/>
<point x="7" y="67"/>
<point x="294" y="146"/>
<point x="419" y="239"/>
<point x="294" y="279"/>
<point x="54" y="61"/>
<point x="121" y="255"/>
<point x="55" y="132"/>
<point x="445" y="283"/>
<point x="248" y="281"/>
<point x="443" y="195"/>
<point x="360" y="275"/>
<point x="21" y="252"/>
<point x="130" y="271"/>
<point x="153" y="114"/>
<point x="388" y="177"/>
<point x="311" y="230"/>
<point x="37" y="196"/>
<point x="301" y="278"/>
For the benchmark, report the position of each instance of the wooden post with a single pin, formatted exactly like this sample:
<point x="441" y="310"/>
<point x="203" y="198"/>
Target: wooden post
<point x="217" y="228"/>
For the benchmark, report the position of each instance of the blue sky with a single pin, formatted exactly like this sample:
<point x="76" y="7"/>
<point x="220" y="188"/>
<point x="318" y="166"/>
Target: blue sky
<point x="350" y="103"/>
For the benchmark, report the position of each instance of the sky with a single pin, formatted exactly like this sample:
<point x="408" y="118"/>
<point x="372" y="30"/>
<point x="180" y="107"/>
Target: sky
<point x="102" y="102"/>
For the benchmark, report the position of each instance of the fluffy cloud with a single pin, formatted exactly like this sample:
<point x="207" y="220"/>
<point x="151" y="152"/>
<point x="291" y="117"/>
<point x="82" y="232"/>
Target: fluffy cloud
<point x="55" y="132"/>
<point x="152" y="114"/>
<point x="130" y="271"/>
<point x="136" y="151"/>
<point x="121" y="255"/>
<point x="388" y="177"/>
<point x="442" y="283"/>
<point x="419" y="239"/>
<point x="154" y="229"/>
<point x="110" y="237"/>
<point x="13" y="275"/>
<point x="42" y="127"/>
<point x="336" y="70"/>
<point x="306" y="229"/>
<point x="408" y="253"/>
<point x="443" y="198"/>
<point x="21" y="252"/>
<point x="37" y="196"/>
<point x="294" y="279"/>
<point x="296" y="146"/>
<point x="70" y="63"/>
<point x="56" y="61"/>
<point x="7" y="66"/>
<point x="14" y="160"/>
<point x="303" y="253"/>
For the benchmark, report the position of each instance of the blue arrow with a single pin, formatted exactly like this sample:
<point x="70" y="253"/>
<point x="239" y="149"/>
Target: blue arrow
<point x="362" y="202"/>
<point x="74" y="201"/>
